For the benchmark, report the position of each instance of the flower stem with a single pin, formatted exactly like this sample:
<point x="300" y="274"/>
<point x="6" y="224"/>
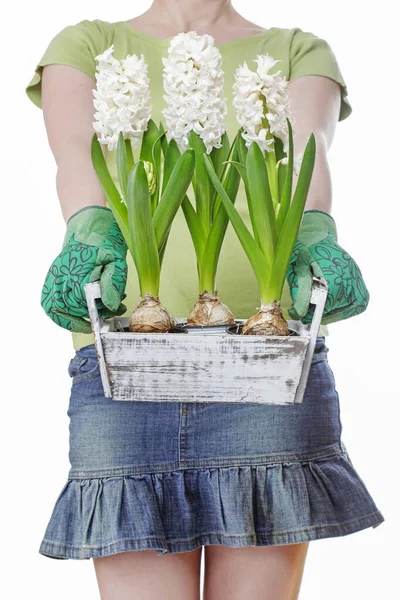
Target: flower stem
<point x="206" y="280"/>
<point x="270" y="292"/>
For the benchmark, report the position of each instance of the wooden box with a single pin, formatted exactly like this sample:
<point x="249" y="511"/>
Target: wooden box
<point x="193" y="367"/>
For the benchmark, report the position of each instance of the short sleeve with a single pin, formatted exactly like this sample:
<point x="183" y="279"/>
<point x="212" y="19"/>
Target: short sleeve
<point x="75" y="45"/>
<point x="312" y="55"/>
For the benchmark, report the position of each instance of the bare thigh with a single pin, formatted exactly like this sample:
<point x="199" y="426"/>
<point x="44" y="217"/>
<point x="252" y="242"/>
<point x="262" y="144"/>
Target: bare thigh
<point x="143" y="575"/>
<point x="257" y="572"/>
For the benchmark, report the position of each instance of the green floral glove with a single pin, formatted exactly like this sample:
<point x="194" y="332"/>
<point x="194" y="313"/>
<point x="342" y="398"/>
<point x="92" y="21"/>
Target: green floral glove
<point x="317" y="253"/>
<point x="93" y="250"/>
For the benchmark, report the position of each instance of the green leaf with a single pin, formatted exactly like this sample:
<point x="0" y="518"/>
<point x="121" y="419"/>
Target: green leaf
<point x="240" y="168"/>
<point x="164" y="141"/>
<point x="156" y="160"/>
<point x="173" y="195"/>
<point x="256" y="257"/>
<point x="216" y="202"/>
<point x="290" y="229"/>
<point x="142" y="232"/>
<point x="278" y="148"/>
<point x="195" y="228"/>
<point x="230" y="159"/>
<point x="261" y="207"/>
<point x="201" y="183"/>
<point x="172" y="156"/>
<point x="243" y="151"/>
<point x="212" y="250"/>
<point x="282" y="169"/>
<point x="118" y="207"/>
<point x="219" y="155"/>
<point x="149" y="137"/>
<point x="129" y="154"/>
<point x="242" y="148"/>
<point x="286" y="196"/>
<point x="161" y="250"/>
<point x="122" y="163"/>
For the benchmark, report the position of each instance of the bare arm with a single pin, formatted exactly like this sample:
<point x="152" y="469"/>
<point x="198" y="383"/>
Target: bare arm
<point x="315" y="102"/>
<point x="67" y="101"/>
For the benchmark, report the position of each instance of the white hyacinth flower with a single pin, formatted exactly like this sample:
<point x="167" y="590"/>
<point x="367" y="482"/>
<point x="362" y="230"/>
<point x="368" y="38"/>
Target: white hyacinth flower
<point x="194" y="84"/>
<point x="122" y="98"/>
<point x="262" y="104"/>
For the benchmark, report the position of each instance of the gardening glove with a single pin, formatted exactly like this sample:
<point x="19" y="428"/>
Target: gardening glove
<point x="93" y="250"/>
<point x="317" y="253"/>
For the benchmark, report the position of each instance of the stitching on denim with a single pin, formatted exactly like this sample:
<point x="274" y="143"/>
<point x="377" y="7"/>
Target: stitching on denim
<point x="47" y="541"/>
<point x="273" y="535"/>
<point x="93" y="375"/>
<point x="360" y="520"/>
<point x="178" y="466"/>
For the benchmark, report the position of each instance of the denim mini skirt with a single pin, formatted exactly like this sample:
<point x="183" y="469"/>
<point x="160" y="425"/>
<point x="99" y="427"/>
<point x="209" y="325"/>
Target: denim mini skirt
<point x="173" y="476"/>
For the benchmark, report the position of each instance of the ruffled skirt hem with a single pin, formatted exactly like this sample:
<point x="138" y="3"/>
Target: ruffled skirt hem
<point x="236" y="506"/>
<point x="161" y="546"/>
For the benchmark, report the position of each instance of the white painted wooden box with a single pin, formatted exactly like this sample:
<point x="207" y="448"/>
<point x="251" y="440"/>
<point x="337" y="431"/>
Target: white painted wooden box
<point x="198" y="367"/>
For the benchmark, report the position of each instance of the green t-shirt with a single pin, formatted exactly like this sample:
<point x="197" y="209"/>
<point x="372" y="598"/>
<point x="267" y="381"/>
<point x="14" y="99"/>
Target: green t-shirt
<point x="301" y="53"/>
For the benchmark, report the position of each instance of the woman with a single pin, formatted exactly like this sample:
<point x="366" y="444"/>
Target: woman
<point x="252" y="483"/>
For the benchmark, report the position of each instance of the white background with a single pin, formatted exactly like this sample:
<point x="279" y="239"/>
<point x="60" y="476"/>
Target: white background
<point x="364" y="350"/>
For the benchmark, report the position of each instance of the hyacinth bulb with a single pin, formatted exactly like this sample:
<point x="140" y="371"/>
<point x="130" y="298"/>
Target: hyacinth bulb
<point x="267" y="321"/>
<point x="150" y="317"/>
<point x="210" y="310"/>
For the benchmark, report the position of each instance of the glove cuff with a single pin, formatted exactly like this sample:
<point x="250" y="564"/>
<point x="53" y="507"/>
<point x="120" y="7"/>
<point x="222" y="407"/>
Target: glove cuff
<point x="90" y="225"/>
<point x="86" y="208"/>
<point x="317" y="221"/>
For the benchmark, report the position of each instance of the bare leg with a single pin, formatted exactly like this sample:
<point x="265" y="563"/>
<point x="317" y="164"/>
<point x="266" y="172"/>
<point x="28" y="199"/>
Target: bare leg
<point x="142" y="575"/>
<point x="259" y="573"/>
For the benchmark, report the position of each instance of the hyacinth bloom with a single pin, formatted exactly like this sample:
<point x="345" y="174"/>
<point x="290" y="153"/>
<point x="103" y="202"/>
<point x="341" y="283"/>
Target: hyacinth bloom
<point x="122" y="98"/>
<point x="262" y="110"/>
<point x="195" y="117"/>
<point x="262" y="104"/>
<point x="193" y="84"/>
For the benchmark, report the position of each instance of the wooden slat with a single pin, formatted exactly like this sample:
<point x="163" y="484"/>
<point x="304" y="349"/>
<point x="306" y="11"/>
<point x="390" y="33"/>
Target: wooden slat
<point x="225" y="368"/>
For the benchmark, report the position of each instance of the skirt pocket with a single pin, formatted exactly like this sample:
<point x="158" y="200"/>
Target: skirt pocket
<point x="83" y="367"/>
